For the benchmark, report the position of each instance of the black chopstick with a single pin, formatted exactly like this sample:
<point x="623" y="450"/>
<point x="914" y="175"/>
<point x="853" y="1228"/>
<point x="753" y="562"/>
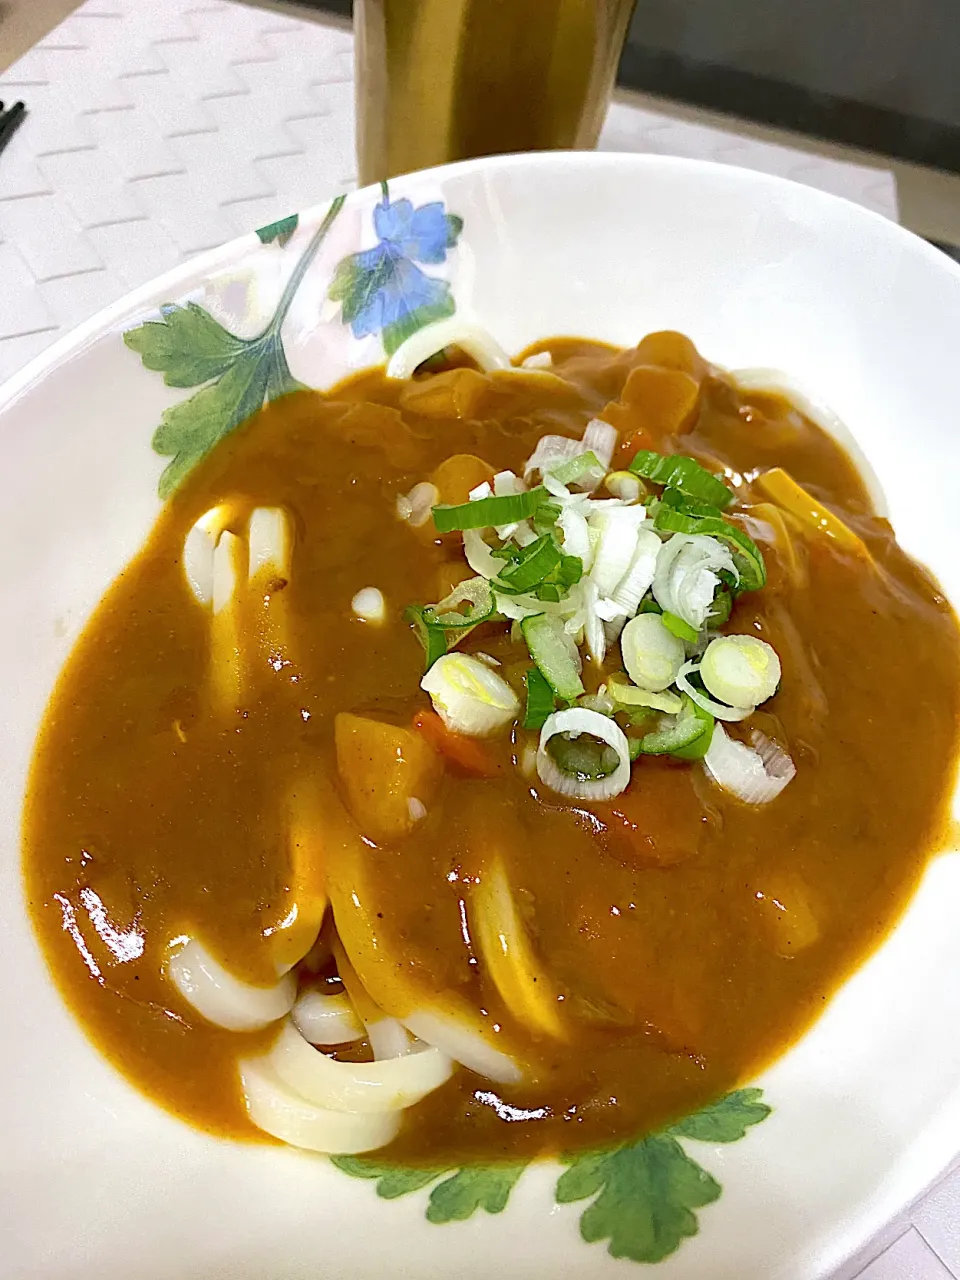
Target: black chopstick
<point x="10" y="121"/>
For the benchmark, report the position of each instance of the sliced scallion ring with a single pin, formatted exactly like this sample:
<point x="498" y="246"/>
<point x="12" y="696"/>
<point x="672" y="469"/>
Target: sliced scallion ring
<point x="508" y="508"/>
<point x="432" y="636"/>
<point x="585" y="470"/>
<point x="629" y="697"/>
<point x="555" y="654"/>
<point x="741" y="670"/>
<point x="746" y="554"/>
<point x="652" y="654"/>
<point x="540" y="700"/>
<point x="687" y="737"/>
<point x="576" y="722"/>
<point x="469" y="603"/>
<point x="469" y="696"/>
<point x="530" y="566"/>
<point x="682" y="473"/>
<point x="717" y="709"/>
<point x="676" y="626"/>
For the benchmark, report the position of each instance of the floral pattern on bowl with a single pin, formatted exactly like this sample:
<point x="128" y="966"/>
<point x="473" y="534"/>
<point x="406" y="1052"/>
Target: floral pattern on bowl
<point x="381" y="291"/>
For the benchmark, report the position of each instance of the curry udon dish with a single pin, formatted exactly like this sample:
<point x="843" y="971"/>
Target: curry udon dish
<point x="487" y="758"/>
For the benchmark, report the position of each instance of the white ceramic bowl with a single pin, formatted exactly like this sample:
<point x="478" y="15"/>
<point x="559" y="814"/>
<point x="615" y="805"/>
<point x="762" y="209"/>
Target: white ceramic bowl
<point x="96" y="1181"/>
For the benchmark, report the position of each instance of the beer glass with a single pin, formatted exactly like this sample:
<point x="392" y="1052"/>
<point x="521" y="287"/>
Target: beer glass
<point x="441" y="80"/>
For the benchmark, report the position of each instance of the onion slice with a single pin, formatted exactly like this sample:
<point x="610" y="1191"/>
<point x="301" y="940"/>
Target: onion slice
<point x="279" y="1111"/>
<point x="717" y="709"/>
<point x="576" y="721"/>
<point x="432" y="338"/>
<point x="755" y="775"/>
<point x="479" y="556"/>
<point x="223" y="999"/>
<point x="362" y="1087"/>
<point x="687" y="575"/>
<point x="601" y="439"/>
<point x="636" y="582"/>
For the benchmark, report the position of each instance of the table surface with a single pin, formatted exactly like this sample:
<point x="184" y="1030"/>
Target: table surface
<point x="157" y="131"/>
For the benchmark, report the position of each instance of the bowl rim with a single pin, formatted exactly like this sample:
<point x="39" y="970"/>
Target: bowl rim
<point x="211" y="259"/>
<point x="928" y="1153"/>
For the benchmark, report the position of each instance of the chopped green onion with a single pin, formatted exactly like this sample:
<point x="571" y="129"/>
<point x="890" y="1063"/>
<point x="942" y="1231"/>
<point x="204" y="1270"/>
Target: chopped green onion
<point x="586" y="466"/>
<point x="540" y="700"/>
<point x="741" y="671"/>
<point x="640" y="715"/>
<point x="651" y="653"/>
<point x="720" y="609"/>
<point x="540" y="568"/>
<point x="630" y="696"/>
<point x="546" y="516"/>
<point x="746" y="553"/>
<point x="508" y="508"/>
<point x="476" y="594"/>
<point x="554" y="653"/>
<point x="585" y="758"/>
<point x="682" y="630"/>
<point x="509" y="551"/>
<point x="689" y="506"/>
<point x="431" y="636"/>
<point x="569" y="571"/>
<point x="533" y="565"/>
<point x="684" y="474"/>
<point x="649" y="606"/>
<point x="688" y="737"/>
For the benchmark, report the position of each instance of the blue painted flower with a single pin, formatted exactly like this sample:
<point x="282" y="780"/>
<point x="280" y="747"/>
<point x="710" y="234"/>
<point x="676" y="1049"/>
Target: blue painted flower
<point x="382" y="290"/>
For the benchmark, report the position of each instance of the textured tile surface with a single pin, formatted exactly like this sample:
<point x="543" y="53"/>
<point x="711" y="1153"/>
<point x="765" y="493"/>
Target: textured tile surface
<point x="159" y="130"/>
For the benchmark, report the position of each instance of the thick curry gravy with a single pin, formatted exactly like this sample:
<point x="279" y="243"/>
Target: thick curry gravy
<point x="704" y="935"/>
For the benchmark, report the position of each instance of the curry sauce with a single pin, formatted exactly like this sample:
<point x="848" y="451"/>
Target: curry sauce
<point x="701" y="936"/>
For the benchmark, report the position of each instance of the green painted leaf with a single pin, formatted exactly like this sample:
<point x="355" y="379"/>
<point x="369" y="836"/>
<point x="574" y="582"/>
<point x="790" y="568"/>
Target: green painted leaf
<point x="725" y="1121"/>
<point x="355" y="285"/>
<point x="480" y="1187"/>
<point x="454" y="227"/>
<point x="648" y="1192"/>
<point x="280" y="381"/>
<point x="455" y="1199"/>
<point x="408" y="324"/>
<point x="281" y="230"/>
<point x="392" y="1180"/>
<point x="187" y="346"/>
<point x="188" y="430"/>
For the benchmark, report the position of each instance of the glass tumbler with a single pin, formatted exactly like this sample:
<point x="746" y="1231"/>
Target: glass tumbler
<point x="441" y="80"/>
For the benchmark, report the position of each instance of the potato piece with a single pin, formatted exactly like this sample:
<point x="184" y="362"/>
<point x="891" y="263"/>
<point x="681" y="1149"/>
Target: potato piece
<point x="383" y="768"/>
<point x="664" y="402"/>
<point x="457" y="475"/>
<point x="672" y="350"/>
<point x="788" y="917"/>
<point x="456" y="393"/>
